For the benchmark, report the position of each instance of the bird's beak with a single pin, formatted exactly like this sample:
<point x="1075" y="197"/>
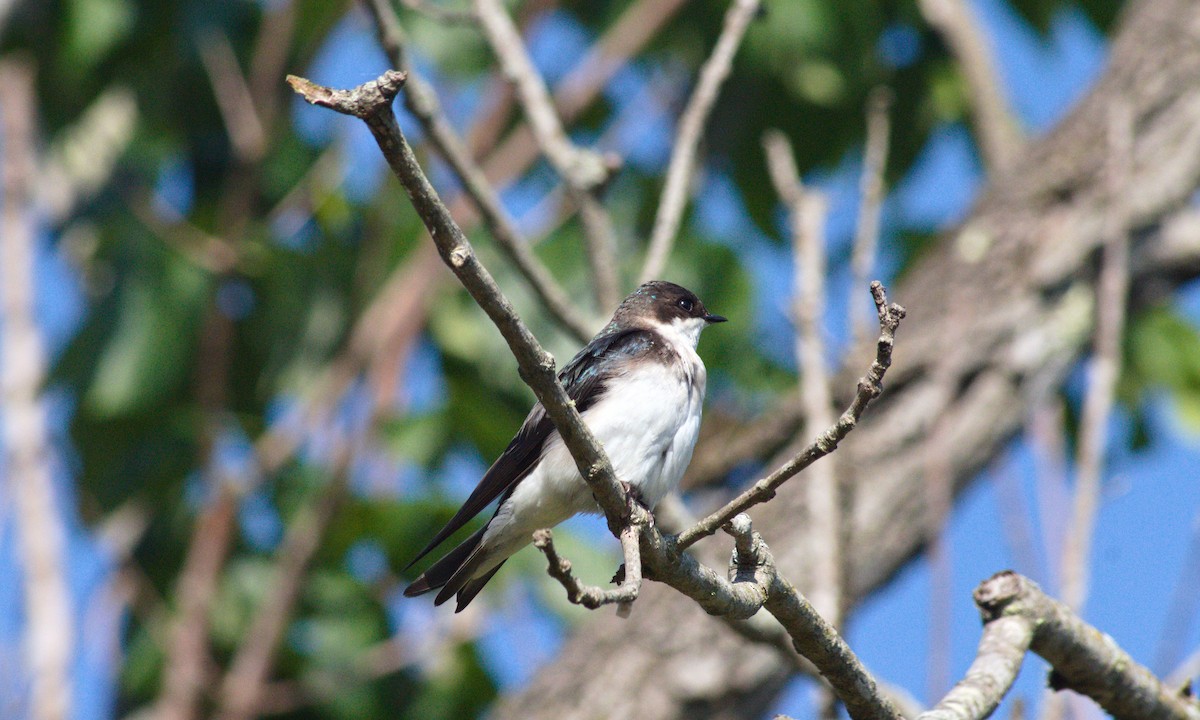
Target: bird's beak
<point x="710" y="319"/>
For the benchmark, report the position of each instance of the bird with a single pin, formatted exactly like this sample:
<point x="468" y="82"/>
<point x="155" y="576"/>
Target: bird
<point x="639" y="387"/>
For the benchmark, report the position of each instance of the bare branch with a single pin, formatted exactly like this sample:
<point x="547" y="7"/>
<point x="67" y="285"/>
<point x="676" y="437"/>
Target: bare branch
<point x="1084" y="659"/>
<point x="1177" y="625"/>
<point x="997" y="129"/>
<point x="584" y="172"/>
<point x="203" y="249"/>
<point x="421" y="100"/>
<point x="755" y="584"/>
<point x="811" y="635"/>
<point x="244" y="682"/>
<point x="687" y="141"/>
<point x="590" y="596"/>
<point x="1003" y="646"/>
<point x="185" y="668"/>
<point x="870" y="190"/>
<point x="869" y="387"/>
<point x="242" y="124"/>
<point x="1112" y="289"/>
<point x="49" y="627"/>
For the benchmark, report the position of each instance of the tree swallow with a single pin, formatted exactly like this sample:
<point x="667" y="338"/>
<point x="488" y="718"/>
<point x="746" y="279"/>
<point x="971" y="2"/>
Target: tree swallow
<point x="639" y="386"/>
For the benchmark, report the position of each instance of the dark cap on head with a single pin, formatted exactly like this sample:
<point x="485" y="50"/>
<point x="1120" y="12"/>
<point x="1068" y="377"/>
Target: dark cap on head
<point x="665" y="302"/>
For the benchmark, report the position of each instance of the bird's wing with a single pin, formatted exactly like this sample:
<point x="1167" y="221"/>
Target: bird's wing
<point x="585" y="380"/>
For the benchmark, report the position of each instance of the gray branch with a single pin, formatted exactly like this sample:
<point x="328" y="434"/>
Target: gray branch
<point x="753" y="583"/>
<point x="1019" y="616"/>
<point x="372" y="103"/>
<point x="869" y="388"/>
<point x="585" y="172"/>
<point x="590" y="596"/>
<point x="421" y="100"/>
<point x="687" y="142"/>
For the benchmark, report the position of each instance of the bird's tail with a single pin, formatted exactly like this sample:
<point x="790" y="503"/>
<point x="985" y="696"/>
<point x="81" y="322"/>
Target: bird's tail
<point x="453" y="573"/>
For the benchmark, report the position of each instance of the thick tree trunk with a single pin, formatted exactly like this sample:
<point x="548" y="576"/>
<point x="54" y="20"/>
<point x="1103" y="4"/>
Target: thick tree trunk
<point x="997" y="315"/>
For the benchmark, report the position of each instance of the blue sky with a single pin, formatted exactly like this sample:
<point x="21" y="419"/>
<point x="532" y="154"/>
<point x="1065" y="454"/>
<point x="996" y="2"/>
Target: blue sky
<point x="1150" y="499"/>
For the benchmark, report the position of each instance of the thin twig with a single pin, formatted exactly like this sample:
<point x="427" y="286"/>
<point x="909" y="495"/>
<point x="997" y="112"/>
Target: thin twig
<point x="687" y="142"/>
<point x="998" y="133"/>
<point x="1016" y="520"/>
<point x="869" y="387"/>
<point x="870" y="190"/>
<point x="49" y="643"/>
<point x="1177" y="625"/>
<point x="1112" y="289"/>
<point x="421" y="100"/>
<point x="584" y="172"/>
<point x="204" y="250"/>
<point x="590" y="596"/>
<point x="185" y="670"/>
<point x="1046" y="431"/>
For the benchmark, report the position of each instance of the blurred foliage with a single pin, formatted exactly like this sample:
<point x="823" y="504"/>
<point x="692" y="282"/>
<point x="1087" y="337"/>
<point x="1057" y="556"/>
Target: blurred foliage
<point x="311" y="253"/>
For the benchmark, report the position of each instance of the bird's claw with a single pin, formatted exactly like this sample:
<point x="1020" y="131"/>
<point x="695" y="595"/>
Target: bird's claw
<point x="633" y="495"/>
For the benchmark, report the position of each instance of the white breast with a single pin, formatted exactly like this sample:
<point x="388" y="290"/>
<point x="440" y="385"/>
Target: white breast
<point x="647" y="421"/>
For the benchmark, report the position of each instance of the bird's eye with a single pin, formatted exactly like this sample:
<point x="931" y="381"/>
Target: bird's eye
<point x="686" y="304"/>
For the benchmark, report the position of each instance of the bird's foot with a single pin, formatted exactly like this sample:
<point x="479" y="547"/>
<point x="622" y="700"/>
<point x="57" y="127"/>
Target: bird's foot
<point x="633" y="495"/>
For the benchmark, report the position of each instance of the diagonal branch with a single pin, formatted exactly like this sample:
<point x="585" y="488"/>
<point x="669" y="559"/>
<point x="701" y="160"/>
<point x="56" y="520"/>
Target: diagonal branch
<point x="371" y="102"/>
<point x="869" y="388"/>
<point x="244" y="683"/>
<point x="691" y="127"/>
<point x="421" y="100"/>
<point x="999" y="135"/>
<point x="585" y="172"/>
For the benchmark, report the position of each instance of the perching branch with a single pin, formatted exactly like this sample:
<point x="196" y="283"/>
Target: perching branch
<point x="869" y="387"/>
<point x="811" y="635"/>
<point x="691" y="126"/>
<point x="421" y="100"/>
<point x="754" y="584"/>
<point x="585" y="172"/>
<point x="371" y="102"/>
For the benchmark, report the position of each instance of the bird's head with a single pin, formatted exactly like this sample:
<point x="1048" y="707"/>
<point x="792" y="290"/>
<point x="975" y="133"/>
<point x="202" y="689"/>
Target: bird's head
<point x="663" y="304"/>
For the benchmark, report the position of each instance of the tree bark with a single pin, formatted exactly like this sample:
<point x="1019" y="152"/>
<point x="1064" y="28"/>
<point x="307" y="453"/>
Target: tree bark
<point x="998" y="313"/>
